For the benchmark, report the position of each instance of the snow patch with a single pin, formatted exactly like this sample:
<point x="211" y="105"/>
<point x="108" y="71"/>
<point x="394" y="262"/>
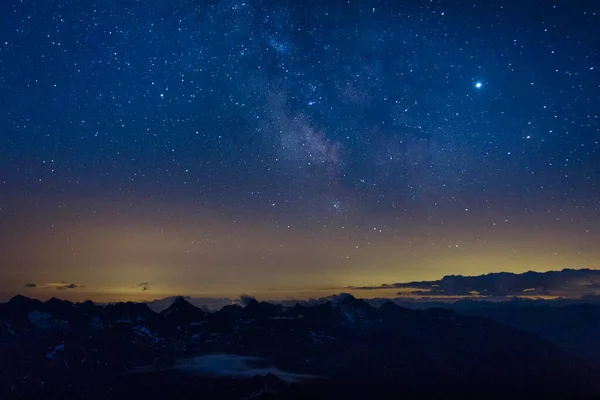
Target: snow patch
<point x="96" y="324"/>
<point x="36" y="317"/>
<point x="315" y="337"/>
<point x="349" y="317"/>
<point x="144" y="331"/>
<point x="52" y="355"/>
<point x="6" y="327"/>
<point x="45" y="321"/>
<point x="319" y="337"/>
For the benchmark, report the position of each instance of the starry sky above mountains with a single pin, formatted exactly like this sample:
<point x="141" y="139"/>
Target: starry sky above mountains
<point x="279" y="148"/>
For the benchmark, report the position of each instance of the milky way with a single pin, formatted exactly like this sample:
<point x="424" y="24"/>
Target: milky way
<point x="264" y="146"/>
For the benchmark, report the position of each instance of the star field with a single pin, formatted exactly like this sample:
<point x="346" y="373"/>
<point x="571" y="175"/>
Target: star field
<point x="224" y="146"/>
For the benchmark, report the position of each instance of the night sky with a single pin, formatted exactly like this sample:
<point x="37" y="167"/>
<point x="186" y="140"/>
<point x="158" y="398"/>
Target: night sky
<point x="286" y="149"/>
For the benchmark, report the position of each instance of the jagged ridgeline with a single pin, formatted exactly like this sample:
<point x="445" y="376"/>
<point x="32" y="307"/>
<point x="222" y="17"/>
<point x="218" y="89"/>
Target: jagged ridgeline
<point x="349" y="349"/>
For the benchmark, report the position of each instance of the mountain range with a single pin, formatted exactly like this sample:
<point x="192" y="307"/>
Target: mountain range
<point x="551" y="288"/>
<point x="346" y="349"/>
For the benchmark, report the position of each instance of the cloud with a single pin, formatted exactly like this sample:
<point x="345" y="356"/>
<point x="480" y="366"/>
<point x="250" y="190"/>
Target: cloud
<point x="71" y="286"/>
<point x="568" y="283"/>
<point x="63" y="285"/>
<point x="229" y="365"/>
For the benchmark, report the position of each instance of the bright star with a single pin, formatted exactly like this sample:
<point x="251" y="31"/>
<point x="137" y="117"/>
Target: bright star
<point x="478" y="85"/>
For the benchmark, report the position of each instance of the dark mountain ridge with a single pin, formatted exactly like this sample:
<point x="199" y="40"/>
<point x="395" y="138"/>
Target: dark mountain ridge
<point x="349" y="347"/>
<point x="574" y="327"/>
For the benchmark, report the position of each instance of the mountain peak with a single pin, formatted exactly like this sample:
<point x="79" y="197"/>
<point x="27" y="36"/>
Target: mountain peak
<point x="252" y="303"/>
<point x="184" y="312"/>
<point x="354" y="303"/>
<point x="348" y="299"/>
<point x="181" y="302"/>
<point x="19" y="299"/>
<point x="179" y="305"/>
<point x="255" y="309"/>
<point x="54" y="300"/>
<point x="23" y="301"/>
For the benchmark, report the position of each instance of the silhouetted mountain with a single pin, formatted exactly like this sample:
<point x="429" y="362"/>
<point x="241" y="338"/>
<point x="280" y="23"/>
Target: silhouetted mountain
<point x="128" y="312"/>
<point x="58" y="307"/>
<point x="233" y="311"/>
<point x="255" y="309"/>
<point x="575" y="327"/>
<point x="86" y="306"/>
<point x="346" y="349"/>
<point x="211" y="303"/>
<point x="24" y="303"/>
<point x="182" y="313"/>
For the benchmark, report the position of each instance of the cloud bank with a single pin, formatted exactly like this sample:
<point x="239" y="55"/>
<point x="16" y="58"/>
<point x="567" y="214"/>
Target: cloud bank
<point x="64" y="285"/>
<point x="570" y="283"/>
<point x="236" y="366"/>
<point x="230" y="365"/>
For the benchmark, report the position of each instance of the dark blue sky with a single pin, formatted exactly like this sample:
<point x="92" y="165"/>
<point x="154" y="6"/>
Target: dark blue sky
<point x="337" y="118"/>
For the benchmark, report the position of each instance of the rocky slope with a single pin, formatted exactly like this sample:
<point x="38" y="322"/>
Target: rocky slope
<point x="58" y="349"/>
